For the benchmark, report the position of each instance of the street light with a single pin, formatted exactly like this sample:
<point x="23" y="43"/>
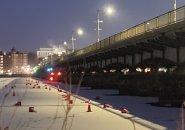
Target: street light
<point x="175" y="7"/>
<point x="65" y="46"/>
<point x="78" y="32"/>
<point x="51" y="59"/>
<point x="109" y="11"/>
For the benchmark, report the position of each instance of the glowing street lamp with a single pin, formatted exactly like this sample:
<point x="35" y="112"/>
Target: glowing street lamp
<point x="78" y="32"/>
<point x="108" y="11"/>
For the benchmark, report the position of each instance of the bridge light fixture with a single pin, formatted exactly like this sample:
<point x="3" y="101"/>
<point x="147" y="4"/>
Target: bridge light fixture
<point x="125" y="70"/>
<point x="139" y="69"/>
<point x="147" y="69"/>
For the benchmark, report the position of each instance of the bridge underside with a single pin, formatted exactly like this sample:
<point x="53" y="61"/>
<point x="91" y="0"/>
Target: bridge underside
<point x="165" y="50"/>
<point x="160" y="48"/>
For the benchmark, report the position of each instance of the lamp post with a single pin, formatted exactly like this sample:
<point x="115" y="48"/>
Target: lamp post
<point x="65" y="45"/>
<point x="74" y="33"/>
<point x="109" y="11"/>
<point x="43" y="62"/>
<point x="175" y="7"/>
<point x="98" y="24"/>
<point x="51" y="58"/>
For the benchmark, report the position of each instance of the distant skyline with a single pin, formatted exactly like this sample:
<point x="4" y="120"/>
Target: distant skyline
<point x="28" y="25"/>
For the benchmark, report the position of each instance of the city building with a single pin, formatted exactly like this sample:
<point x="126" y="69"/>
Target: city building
<point x="15" y="62"/>
<point x="1" y="62"/>
<point x="44" y="52"/>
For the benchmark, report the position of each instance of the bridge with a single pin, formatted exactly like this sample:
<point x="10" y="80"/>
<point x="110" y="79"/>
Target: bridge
<point x="158" y="42"/>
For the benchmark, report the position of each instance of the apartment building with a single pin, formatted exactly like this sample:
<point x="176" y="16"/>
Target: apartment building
<point x="15" y="62"/>
<point x="1" y="62"/>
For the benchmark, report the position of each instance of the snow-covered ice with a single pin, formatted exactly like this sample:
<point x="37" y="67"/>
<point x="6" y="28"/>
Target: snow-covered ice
<point x="51" y="108"/>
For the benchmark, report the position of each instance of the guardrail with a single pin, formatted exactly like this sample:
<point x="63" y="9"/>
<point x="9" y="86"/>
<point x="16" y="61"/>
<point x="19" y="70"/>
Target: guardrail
<point x="166" y="19"/>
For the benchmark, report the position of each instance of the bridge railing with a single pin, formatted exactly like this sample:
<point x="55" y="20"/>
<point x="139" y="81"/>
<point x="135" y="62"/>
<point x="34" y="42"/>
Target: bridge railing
<point x="166" y="19"/>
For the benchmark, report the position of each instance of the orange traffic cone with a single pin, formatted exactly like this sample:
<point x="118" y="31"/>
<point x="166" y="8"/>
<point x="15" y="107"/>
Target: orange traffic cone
<point x="64" y="96"/>
<point x="13" y="93"/>
<point x="59" y="90"/>
<point x="97" y="98"/>
<point x="70" y="101"/>
<point x="124" y="110"/>
<point x="31" y="109"/>
<point x="58" y="87"/>
<point x="107" y="106"/>
<point x="86" y="101"/>
<point x="18" y="103"/>
<point x="68" y="97"/>
<point x="89" y="107"/>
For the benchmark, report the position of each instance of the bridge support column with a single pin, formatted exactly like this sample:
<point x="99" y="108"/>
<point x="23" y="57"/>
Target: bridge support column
<point x="137" y="58"/>
<point x="152" y="55"/>
<point x="133" y="60"/>
<point x="141" y="57"/>
<point x="117" y="59"/>
<point x="105" y="61"/>
<point x="101" y="64"/>
<point x="125" y="61"/>
<point x="178" y="56"/>
<point x="111" y="60"/>
<point x="181" y="54"/>
<point x="163" y="55"/>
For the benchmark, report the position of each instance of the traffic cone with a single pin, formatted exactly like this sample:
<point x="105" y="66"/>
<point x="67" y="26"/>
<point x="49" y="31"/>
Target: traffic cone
<point x="89" y="107"/>
<point x="68" y="97"/>
<point x="59" y="90"/>
<point x="97" y="98"/>
<point x="18" y="103"/>
<point x="31" y="109"/>
<point x="107" y="106"/>
<point x="64" y="96"/>
<point x="124" y="110"/>
<point x="86" y="101"/>
<point x="58" y="87"/>
<point x="70" y="101"/>
<point x="13" y="93"/>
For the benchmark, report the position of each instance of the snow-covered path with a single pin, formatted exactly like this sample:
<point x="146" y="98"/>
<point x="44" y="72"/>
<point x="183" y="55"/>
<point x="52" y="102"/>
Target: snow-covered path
<point x="51" y="107"/>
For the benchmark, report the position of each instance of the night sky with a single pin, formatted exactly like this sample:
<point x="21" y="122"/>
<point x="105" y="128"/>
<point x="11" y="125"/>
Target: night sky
<point x="30" y="24"/>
